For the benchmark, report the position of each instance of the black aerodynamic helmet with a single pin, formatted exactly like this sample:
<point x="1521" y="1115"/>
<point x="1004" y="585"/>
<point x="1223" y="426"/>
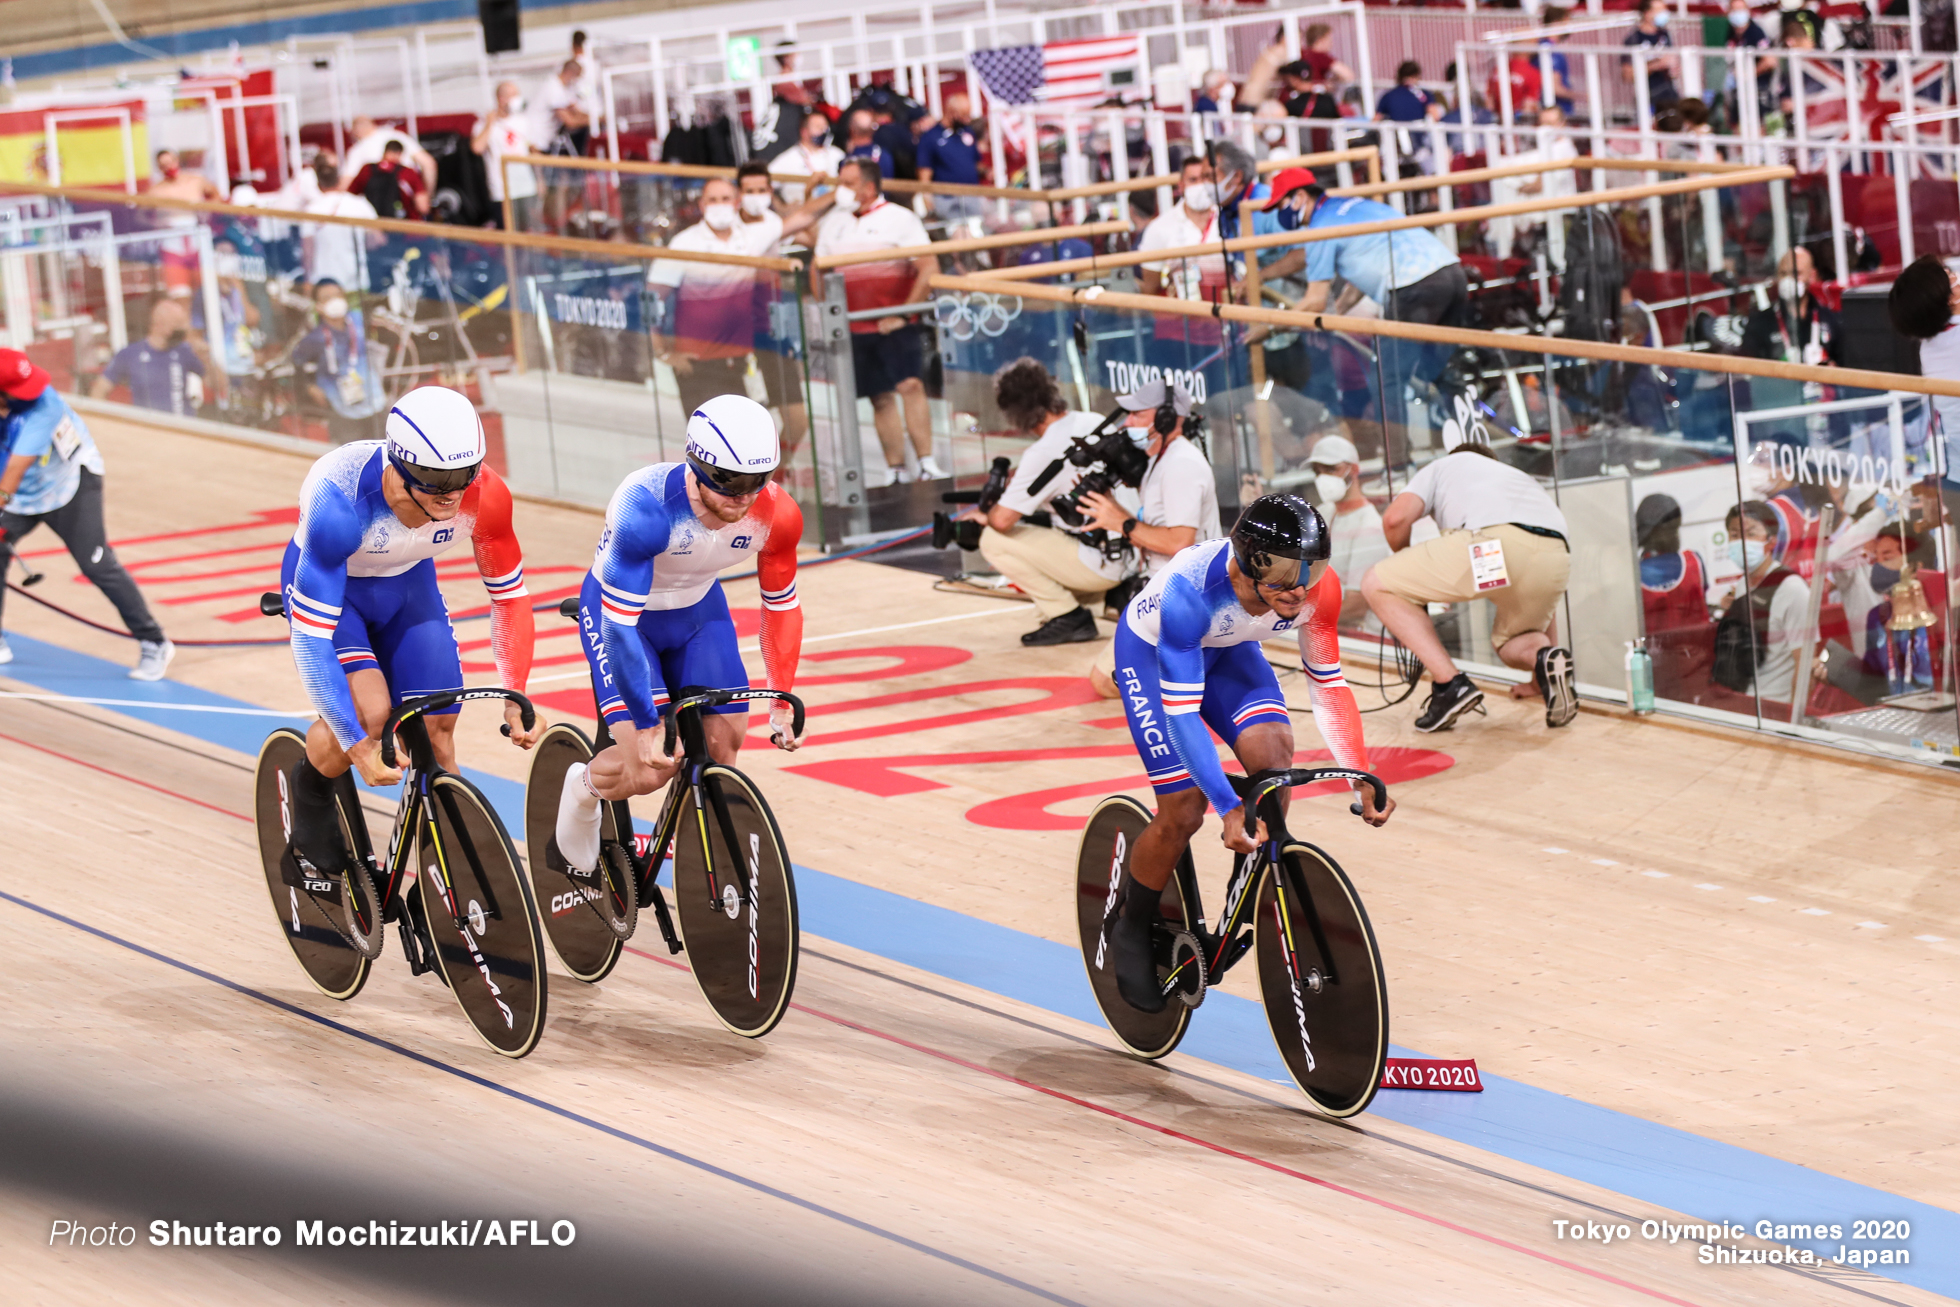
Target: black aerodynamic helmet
<point x="1281" y="542"/>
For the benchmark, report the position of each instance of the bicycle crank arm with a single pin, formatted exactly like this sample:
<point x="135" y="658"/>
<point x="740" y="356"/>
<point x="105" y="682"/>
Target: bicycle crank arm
<point x="665" y="920"/>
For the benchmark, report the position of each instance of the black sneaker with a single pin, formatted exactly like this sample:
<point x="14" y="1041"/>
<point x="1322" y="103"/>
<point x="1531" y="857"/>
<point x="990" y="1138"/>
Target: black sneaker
<point x="1072" y="627"/>
<point x="1130" y="947"/>
<point x="1553" y="673"/>
<point x="1449" y="701"/>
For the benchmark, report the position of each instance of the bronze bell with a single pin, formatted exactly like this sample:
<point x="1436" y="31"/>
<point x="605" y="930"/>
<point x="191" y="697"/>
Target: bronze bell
<point x="1910" y="611"/>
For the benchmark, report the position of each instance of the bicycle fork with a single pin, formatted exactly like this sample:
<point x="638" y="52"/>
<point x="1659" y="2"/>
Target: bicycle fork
<point x="477" y="918"/>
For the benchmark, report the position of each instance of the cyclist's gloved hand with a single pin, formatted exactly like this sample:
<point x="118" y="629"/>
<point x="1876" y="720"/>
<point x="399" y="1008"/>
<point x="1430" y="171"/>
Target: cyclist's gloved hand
<point x="781" y="717"/>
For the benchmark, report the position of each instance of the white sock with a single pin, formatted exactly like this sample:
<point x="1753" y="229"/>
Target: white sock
<point x="584" y="795"/>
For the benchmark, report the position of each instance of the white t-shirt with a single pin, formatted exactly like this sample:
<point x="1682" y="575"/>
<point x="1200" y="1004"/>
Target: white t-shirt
<point x="714" y="310"/>
<point x="510" y="134"/>
<point x="1470" y="492"/>
<point x="1776" y="678"/>
<point x="1053" y="445"/>
<point x="339" y="252"/>
<point x="1178" y="490"/>
<point x="368" y="150"/>
<point x="1185" y="278"/>
<point x="799" y="161"/>
<point x="556" y="96"/>
<point x="883" y="226"/>
<point x="760" y="237"/>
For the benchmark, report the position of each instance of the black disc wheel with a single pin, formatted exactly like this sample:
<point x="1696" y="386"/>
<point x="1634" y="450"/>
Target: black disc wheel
<point x="1102" y="877"/>
<point x="306" y="912"/>
<point x="585" y="914"/>
<point x="738" y="917"/>
<point x="482" y="919"/>
<point x="1321" y="977"/>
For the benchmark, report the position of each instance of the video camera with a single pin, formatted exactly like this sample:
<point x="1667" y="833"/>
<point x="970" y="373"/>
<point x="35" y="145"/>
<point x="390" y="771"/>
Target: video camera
<point x="945" y="530"/>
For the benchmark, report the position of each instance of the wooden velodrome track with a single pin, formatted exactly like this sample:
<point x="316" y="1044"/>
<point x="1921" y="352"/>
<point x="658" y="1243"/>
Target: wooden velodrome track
<point x="1706" y="977"/>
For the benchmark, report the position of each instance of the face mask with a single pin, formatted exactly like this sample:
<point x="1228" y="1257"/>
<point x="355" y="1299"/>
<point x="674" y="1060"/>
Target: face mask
<point x="1789" y="287"/>
<point x="1200" y="198"/>
<point x="175" y="339"/>
<point x="719" y="217"/>
<point x="1884" y="578"/>
<point x="1332" y="489"/>
<point x="227" y="264"/>
<point x="1738" y="19"/>
<point x="1660" y="19"/>
<point x="1288" y="217"/>
<point x="516" y="104"/>
<point x="755" y="204"/>
<point x="334" y="309"/>
<point x="170" y="174"/>
<point x="1274" y="135"/>
<point x="847" y="200"/>
<point x="1747" y="554"/>
<point x="1758" y="480"/>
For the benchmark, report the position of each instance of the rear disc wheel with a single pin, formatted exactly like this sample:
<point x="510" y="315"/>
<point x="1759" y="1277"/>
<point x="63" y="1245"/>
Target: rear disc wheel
<point x="1102" y="874"/>
<point x="571" y="904"/>
<point x="306" y="916"/>
<point x="741" y="925"/>
<point x="1320" y="975"/>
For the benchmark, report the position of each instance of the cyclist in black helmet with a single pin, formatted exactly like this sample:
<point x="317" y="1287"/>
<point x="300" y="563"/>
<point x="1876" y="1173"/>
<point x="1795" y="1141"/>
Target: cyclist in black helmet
<point x="1187" y="659"/>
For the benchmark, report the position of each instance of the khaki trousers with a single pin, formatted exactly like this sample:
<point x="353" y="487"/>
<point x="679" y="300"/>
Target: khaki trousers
<point x="1045" y="563"/>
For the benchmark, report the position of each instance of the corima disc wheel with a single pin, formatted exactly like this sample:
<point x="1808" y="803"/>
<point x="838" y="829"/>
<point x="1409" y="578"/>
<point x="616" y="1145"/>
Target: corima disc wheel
<point x="1331" y="1024"/>
<point x="743" y="953"/>
<point x="1101" y="869"/>
<point x="493" y="958"/>
<point x="323" y="953"/>
<point x="584" y="942"/>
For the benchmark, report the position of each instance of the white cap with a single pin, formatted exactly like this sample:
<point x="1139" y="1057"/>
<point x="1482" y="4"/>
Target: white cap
<point x="244" y="196"/>
<point x="1151" y="395"/>
<point x="1329" y="450"/>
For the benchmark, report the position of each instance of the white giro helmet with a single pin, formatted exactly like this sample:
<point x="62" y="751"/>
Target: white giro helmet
<point x="435" y="440"/>
<point x="732" y="445"/>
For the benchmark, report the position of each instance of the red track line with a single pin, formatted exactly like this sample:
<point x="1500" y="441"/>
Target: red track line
<point x="1125" y="1117"/>
<point x="122" y="776"/>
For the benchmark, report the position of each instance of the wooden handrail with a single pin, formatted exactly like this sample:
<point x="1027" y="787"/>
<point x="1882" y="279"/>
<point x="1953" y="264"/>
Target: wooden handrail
<point x="1005" y="240"/>
<point x="1291" y="320"/>
<point x="426" y="230"/>
<point x="1471" y="176"/>
<point x="1476" y="213"/>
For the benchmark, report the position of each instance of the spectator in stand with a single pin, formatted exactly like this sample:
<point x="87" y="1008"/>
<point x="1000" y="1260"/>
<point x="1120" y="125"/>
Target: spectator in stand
<point x="1179" y="342"/>
<point x="1354" y="523"/>
<point x="333" y="251"/>
<point x="1800" y="33"/>
<point x="1317" y="53"/>
<point x="705" y="326"/>
<point x="1904" y="661"/>
<point x="949" y="151"/>
<point x="778" y="335"/>
<point x="1790" y="324"/>
<point x="862" y="127"/>
<point x="395" y="191"/>
<point x="341" y="375"/>
<point x="370" y="140"/>
<point x="1674" y="602"/>
<point x="507" y="132"/>
<point x="179" y="253"/>
<point x="1562" y="94"/>
<point x="887" y="355"/>
<point x="1651" y="32"/>
<point x="1923" y="305"/>
<point x="566" y="115"/>
<point x="1526" y="87"/>
<point x="811" y="156"/>
<point x="899" y="122"/>
<point x="1406" y="101"/>
<point x="1745" y="33"/>
<point x="1275" y="141"/>
<point x="1479" y="115"/>
<point x="51" y="471"/>
<point x="163" y="371"/>
<point x="1214" y="93"/>
<point x="588" y="93"/>
<point x="1771" y="615"/>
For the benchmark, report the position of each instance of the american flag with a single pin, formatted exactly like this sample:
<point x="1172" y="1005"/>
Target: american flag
<point x="1058" y="75"/>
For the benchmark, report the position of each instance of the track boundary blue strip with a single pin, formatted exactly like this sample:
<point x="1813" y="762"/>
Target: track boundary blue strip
<point x="1644" y="1160"/>
<point x="531" y="1100"/>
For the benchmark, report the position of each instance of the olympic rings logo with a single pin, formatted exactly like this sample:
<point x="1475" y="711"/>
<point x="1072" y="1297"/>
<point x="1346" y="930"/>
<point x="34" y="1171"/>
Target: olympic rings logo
<point x="962" y="316"/>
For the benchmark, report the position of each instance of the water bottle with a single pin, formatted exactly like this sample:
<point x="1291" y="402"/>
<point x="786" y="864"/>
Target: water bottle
<point x="1640" y="677"/>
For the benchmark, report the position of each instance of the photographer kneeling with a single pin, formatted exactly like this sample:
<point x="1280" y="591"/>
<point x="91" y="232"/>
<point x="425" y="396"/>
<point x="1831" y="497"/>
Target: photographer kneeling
<point x="1058" y="569"/>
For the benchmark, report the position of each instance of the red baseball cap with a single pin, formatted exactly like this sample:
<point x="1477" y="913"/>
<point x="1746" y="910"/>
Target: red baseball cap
<point x="1285" y="182"/>
<point x="19" y="377"/>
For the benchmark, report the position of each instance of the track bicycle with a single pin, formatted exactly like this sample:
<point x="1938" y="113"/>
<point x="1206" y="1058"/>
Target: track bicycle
<point x="734" y="890"/>
<point x="471" y="919"/>
<point x="1320" y="973"/>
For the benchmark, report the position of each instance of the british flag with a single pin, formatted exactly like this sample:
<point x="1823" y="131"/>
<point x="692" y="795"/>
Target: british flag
<point x="1058" y="75"/>
<point x="1881" y="88"/>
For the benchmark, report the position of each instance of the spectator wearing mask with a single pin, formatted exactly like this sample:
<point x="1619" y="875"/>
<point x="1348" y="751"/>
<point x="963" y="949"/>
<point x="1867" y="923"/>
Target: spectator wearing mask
<point x="1179" y="342"/>
<point x="1214" y="93"/>
<point x="1903" y="660"/>
<point x="1179" y="495"/>
<point x="705" y="326"/>
<point x="507" y="132"/>
<point x="1924" y="305"/>
<point x="395" y="191"/>
<point x="51" y="472"/>
<point x="862" y="127"/>
<point x="1796" y="502"/>
<point x="334" y="251"/>
<point x="1058" y="569"/>
<point x="1354" y="524"/>
<point x="344" y="379"/>
<point x="949" y="151"/>
<point x="1673" y="601"/>
<point x="778" y="335"/>
<point x="899" y="122"/>
<point x="1502" y="539"/>
<point x="371" y="140"/>
<point x="1745" y="33"/>
<point x="1651" y="32"/>
<point x="162" y="371"/>
<point x="1768" y="618"/>
<point x="1790" y="324"/>
<point x="564" y="114"/>
<point x="811" y="156"/>
<point x="887" y="355"/>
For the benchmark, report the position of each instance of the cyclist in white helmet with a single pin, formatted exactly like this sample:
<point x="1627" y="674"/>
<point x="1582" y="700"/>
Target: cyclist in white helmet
<point x="369" y="625"/>
<point x="654" y="617"/>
